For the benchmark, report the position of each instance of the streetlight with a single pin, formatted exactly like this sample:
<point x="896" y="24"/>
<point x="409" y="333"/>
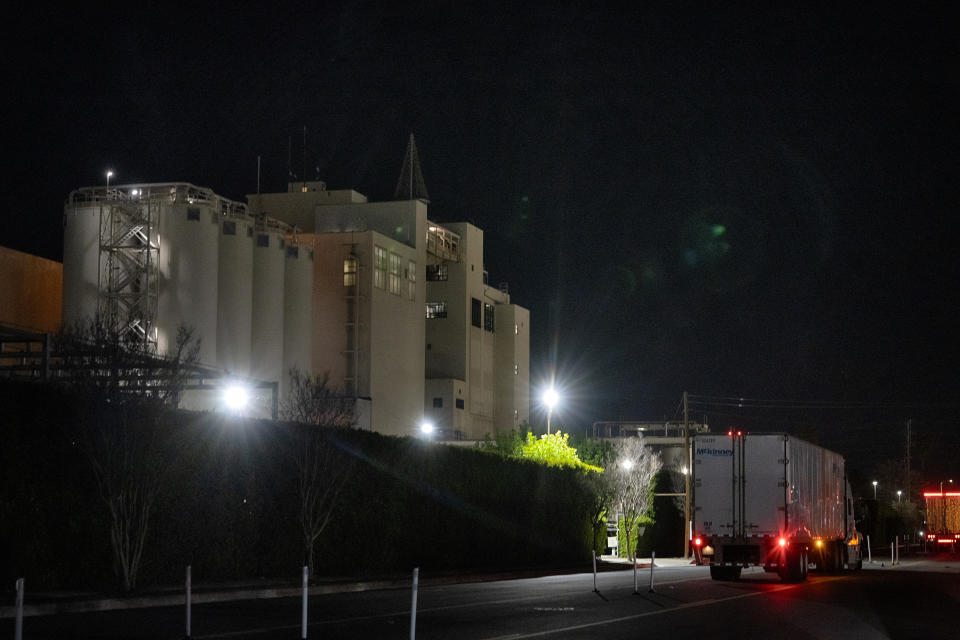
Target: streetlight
<point x="426" y="428"/>
<point x="941" y="485"/>
<point x="898" y="494"/>
<point x="874" y="489"/>
<point x="550" y="398"/>
<point x="109" y="175"/>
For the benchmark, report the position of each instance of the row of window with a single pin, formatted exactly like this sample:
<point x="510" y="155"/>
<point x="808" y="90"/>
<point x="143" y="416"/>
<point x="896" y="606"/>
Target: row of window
<point x="438" y="403"/>
<point x="480" y="316"/>
<point x="387" y="273"/>
<point x="482" y="319"/>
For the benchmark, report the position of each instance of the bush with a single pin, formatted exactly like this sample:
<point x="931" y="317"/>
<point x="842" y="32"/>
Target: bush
<point x="228" y="504"/>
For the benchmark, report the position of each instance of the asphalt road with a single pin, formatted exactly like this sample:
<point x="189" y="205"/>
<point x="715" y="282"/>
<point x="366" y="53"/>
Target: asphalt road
<point x="917" y="599"/>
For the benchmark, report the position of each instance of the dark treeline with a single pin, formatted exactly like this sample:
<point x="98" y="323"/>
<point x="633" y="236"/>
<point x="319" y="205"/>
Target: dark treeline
<point x="228" y="501"/>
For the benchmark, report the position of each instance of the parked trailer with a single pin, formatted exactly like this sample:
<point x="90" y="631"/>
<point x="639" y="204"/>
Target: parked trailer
<point x="943" y="519"/>
<point x="774" y="501"/>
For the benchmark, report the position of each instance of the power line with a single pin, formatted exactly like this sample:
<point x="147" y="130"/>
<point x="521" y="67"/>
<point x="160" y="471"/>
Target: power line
<point x="741" y="402"/>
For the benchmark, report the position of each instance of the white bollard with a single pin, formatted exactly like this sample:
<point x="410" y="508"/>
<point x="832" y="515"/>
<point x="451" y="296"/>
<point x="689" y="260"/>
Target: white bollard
<point x="635" y="573"/>
<point x="891" y="554"/>
<point x="189" y="589"/>
<point x="653" y="561"/>
<point x="303" y="622"/>
<point x="413" y="604"/>
<point x="595" y="590"/>
<point x="869" y="553"/>
<point x="18" y="628"/>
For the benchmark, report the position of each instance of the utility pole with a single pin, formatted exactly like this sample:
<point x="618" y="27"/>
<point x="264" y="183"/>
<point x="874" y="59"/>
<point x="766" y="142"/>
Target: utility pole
<point x="686" y="478"/>
<point x="909" y="426"/>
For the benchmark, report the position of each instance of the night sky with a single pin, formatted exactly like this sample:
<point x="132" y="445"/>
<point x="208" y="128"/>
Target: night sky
<point x="755" y="204"/>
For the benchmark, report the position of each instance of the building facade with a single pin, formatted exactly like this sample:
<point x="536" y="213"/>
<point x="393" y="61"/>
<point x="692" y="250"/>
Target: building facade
<point x="404" y="318"/>
<point x="392" y="309"/>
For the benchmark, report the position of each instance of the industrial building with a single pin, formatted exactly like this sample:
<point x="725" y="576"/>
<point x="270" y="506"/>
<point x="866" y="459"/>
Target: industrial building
<point x="394" y="310"/>
<point x="404" y="318"/>
<point x="149" y="258"/>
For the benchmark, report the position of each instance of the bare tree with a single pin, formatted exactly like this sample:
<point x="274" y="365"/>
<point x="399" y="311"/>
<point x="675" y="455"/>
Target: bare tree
<point x="633" y="473"/>
<point x="121" y="390"/>
<point x="313" y="401"/>
<point x="601" y="491"/>
<point x="323" y="465"/>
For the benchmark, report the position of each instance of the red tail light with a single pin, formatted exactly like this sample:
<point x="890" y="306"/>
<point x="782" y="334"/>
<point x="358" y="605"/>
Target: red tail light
<point x="782" y="542"/>
<point x="697" y="541"/>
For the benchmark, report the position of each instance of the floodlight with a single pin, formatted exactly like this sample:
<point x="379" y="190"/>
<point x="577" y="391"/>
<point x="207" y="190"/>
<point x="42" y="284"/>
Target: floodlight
<point x="235" y="397"/>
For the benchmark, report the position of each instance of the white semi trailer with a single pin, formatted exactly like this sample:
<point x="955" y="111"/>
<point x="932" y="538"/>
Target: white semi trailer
<point x="774" y="501"/>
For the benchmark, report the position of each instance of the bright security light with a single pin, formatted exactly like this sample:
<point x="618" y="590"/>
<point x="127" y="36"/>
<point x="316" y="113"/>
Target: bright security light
<point x="550" y="398"/>
<point x="627" y="465"/>
<point x="235" y="397"/>
<point x="426" y="428"/>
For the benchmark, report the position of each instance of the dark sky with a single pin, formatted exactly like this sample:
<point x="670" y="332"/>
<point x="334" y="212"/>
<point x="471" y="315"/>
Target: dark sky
<point x="734" y="203"/>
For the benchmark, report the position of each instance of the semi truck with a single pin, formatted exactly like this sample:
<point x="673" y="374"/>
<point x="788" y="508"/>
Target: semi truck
<point x="943" y="519"/>
<point x="774" y="501"/>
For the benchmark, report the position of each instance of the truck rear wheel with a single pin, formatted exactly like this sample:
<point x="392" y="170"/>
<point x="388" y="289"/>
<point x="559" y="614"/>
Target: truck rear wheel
<point x="795" y="565"/>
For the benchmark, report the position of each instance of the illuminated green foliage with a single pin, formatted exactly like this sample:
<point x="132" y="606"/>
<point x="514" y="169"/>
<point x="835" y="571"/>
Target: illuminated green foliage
<point x="553" y="449"/>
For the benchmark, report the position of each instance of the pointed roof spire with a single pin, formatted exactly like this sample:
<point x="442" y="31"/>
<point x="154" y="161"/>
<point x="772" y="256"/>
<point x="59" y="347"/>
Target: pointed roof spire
<point x="410" y="186"/>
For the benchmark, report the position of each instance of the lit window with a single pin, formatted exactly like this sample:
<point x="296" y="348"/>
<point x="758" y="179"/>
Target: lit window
<point x="350" y="271"/>
<point x="516" y="329"/>
<point x="436" y="272"/>
<point x="436" y="310"/>
<point x="412" y="280"/>
<point x="394" y="279"/>
<point x="379" y="267"/>
<point x="516" y="369"/>
<point x="488" y="317"/>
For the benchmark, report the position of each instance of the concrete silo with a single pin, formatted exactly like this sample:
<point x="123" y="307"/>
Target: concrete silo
<point x="189" y="231"/>
<point x="269" y="251"/>
<point x="297" y="310"/>
<point x="235" y="290"/>
<point x="81" y="255"/>
<point x="145" y="258"/>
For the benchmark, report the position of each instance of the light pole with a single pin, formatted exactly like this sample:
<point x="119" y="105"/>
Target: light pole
<point x="898" y="494"/>
<point x="941" y="485"/>
<point x="550" y="398"/>
<point x="874" y="489"/>
<point x="109" y="175"/>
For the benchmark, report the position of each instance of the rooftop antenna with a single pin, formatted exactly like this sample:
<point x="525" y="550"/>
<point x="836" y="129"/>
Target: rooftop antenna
<point x="289" y="166"/>
<point x="411" y="186"/>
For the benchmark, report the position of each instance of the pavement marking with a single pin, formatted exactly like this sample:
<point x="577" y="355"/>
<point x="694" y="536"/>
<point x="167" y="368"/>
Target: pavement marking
<point x="689" y="605"/>
<point x="406" y="612"/>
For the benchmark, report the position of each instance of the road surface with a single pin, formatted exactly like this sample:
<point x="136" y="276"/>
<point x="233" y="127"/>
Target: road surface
<point x="917" y="599"/>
